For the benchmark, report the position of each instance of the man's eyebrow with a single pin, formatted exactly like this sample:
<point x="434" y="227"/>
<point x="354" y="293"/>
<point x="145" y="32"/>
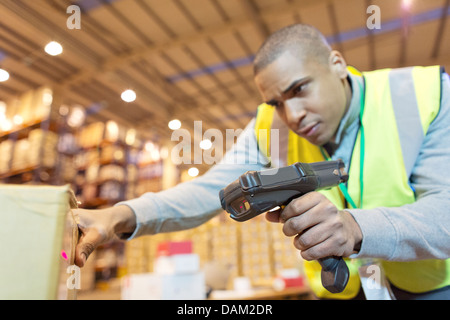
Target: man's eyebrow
<point x="293" y="84"/>
<point x="274" y="102"/>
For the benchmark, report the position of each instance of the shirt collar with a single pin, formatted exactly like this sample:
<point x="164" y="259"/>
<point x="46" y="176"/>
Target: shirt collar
<point x="352" y="113"/>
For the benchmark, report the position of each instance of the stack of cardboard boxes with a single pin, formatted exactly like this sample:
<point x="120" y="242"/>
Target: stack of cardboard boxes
<point x="176" y="276"/>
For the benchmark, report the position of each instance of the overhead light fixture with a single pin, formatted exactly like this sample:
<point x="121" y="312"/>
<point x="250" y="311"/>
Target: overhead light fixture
<point x="128" y="96"/>
<point x="4" y="75"/>
<point x="406" y="4"/>
<point x="193" y="172"/>
<point x="205" y="144"/>
<point x="53" y="48"/>
<point x="175" y="124"/>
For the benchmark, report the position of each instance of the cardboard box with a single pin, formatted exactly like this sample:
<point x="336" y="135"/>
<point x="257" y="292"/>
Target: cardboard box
<point x="33" y="222"/>
<point x="179" y="263"/>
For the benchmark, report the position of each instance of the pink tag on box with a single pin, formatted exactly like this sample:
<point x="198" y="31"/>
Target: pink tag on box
<point x="171" y="248"/>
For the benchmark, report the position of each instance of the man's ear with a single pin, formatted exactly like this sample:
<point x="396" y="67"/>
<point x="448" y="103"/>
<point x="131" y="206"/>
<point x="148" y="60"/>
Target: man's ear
<point x="337" y="64"/>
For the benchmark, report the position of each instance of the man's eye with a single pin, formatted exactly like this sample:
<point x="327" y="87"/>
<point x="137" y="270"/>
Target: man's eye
<point x="298" y="89"/>
<point x="275" y="104"/>
<point x="278" y="104"/>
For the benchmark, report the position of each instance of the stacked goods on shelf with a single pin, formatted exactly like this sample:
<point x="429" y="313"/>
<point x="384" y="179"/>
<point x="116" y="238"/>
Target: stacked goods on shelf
<point x="24" y="108"/>
<point x="255" y="249"/>
<point x="131" y="181"/>
<point x="176" y="276"/>
<point x="6" y="147"/>
<point x="38" y="149"/>
<point x="91" y="136"/>
<point x="112" y="153"/>
<point x="30" y="108"/>
<point x="111" y="172"/>
<point x="67" y="149"/>
<point x="43" y="99"/>
<point x="111" y="190"/>
<point x="149" y="169"/>
<point x="224" y="236"/>
<point x="25" y="141"/>
<point x="285" y="255"/>
<point x="112" y="179"/>
<point x="136" y="255"/>
<point x="257" y="263"/>
<point x="43" y="148"/>
<point x="20" y="155"/>
<point x="102" y="163"/>
<point x="201" y="241"/>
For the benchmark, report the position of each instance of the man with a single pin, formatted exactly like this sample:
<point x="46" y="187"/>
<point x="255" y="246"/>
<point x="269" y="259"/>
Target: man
<point x="388" y="127"/>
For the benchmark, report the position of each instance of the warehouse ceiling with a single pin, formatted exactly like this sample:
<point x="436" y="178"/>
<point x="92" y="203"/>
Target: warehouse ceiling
<point x="191" y="59"/>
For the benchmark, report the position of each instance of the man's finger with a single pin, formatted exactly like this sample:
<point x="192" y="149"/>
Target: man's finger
<point x="300" y="205"/>
<point x="90" y="239"/>
<point x="273" y="216"/>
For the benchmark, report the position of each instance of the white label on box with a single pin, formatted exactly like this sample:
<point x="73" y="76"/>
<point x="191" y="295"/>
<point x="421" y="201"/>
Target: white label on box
<point x="177" y="264"/>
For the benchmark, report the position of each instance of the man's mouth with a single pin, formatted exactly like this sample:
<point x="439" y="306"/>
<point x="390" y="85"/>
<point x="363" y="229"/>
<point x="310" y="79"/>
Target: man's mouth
<point x="309" y="130"/>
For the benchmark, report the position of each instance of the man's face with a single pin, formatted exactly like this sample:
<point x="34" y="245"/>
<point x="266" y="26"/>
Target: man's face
<point x="310" y="97"/>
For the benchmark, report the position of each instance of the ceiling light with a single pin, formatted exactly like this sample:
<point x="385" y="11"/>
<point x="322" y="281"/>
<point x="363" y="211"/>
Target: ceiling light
<point x="193" y="172"/>
<point x="4" y="75"/>
<point x="53" y="48"/>
<point x="206" y="144"/>
<point x="128" y="96"/>
<point x="406" y="4"/>
<point x="175" y="124"/>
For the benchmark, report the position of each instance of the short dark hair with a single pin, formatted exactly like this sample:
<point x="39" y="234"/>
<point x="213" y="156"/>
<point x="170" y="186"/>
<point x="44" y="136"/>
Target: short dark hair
<point x="300" y="39"/>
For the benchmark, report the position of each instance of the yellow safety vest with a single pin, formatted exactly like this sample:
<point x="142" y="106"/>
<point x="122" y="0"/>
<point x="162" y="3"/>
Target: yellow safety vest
<point x="392" y="143"/>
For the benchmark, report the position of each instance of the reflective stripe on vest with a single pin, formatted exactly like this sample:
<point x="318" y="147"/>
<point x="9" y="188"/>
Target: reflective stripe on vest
<point x="400" y="104"/>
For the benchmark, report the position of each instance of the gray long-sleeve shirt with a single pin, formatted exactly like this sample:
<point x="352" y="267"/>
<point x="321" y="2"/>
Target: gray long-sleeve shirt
<point x="411" y="232"/>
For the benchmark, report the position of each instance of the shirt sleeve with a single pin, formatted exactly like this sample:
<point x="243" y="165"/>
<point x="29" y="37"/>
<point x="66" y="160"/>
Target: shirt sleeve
<point x="420" y="230"/>
<point x="192" y="203"/>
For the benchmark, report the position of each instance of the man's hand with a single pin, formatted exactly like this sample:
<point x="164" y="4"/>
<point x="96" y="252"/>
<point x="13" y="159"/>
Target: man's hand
<point x="101" y="226"/>
<point x="320" y="229"/>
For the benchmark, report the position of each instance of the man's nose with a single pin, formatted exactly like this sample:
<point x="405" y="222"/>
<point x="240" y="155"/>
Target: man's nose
<point x="294" y="113"/>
